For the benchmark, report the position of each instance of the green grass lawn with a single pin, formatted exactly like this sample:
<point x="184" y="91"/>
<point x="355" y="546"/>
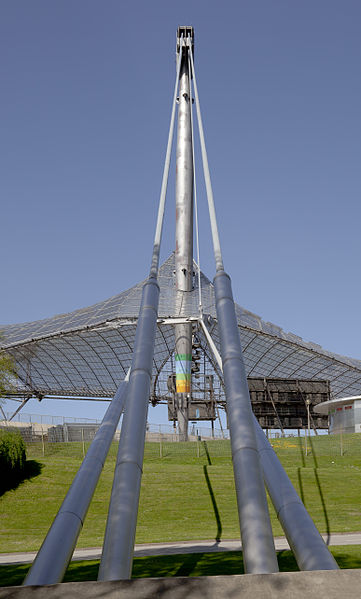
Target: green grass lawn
<point x="183" y="496"/>
<point x="191" y="564"/>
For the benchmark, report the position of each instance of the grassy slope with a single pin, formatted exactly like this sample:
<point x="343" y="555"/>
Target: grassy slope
<point x="183" y="496"/>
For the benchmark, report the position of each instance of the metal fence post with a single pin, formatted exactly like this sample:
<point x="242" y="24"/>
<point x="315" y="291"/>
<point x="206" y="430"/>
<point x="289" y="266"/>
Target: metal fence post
<point x="82" y="441"/>
<point x="42" y="440"/>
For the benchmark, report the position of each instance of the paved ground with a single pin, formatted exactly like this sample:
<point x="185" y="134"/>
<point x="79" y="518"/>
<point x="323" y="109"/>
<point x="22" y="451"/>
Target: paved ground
<point x="353" y="538"/>
<point x="325" y="584"/>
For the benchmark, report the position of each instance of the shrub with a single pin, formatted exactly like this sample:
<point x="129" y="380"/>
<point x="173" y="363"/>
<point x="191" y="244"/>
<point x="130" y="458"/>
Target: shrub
<point x="12" y="453"/>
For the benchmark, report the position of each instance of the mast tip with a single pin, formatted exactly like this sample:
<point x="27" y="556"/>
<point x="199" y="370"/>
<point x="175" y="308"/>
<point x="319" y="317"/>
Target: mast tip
<point x="186" y="31"/>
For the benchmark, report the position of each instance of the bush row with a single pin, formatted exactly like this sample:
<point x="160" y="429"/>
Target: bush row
<point x="12" y="453"/>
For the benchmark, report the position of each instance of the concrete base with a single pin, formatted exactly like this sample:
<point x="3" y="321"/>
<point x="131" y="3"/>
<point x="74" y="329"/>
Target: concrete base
<point x="296" y="585"/>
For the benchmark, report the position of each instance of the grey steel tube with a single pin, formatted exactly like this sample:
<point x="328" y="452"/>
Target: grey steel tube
<point x="183" y="364"/>
<point x="117" y="555"/>
<point x="184" y="241"/>
<point x="306" y="543"/>
<point x="57" y="549"/>
<point x="184" y="184"/>
<point x="257" y="539"/>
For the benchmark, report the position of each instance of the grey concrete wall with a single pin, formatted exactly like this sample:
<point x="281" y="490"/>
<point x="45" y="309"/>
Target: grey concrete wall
<point x="345" y="584"/>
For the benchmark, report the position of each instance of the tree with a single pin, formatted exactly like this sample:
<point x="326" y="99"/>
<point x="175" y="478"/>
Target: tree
<point x="7" y="375"/>
<point x="7" y="372"/>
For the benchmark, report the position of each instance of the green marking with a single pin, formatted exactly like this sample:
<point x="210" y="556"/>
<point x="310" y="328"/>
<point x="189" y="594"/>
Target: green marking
<point x="186" y="357"/>
<point x="183" y="376"/>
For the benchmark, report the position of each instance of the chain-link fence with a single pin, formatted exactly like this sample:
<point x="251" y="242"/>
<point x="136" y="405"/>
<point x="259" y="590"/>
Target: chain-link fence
<point x="46" y="419"/>
<point x="44" y="431"/>
<point x="64" y="429"/>
<point x="320" y="452"/>
<point x="50" y="433"/>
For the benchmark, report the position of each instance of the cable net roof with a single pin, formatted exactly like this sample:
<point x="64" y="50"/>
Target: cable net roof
<point x="87" y="352"/>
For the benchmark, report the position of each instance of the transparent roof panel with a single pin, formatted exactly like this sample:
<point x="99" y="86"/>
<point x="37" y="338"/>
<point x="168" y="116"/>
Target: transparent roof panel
<point x="88" y="352"/>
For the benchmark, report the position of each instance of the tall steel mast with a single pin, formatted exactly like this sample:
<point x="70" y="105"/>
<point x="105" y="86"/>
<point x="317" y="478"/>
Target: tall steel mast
<point x="184" y="233"/>
<point x="253" y="457"/>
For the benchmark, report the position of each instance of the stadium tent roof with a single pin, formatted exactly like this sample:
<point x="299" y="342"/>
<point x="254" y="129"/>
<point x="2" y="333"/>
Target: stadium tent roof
<point x="86" y="353"/>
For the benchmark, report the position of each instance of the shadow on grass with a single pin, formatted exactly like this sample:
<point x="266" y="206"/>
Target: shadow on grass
<point x="347" y="561"/>
<point x="192" y="564"/>
<point x="189" y="564"/>
<point x="207" y="453"/>
<point x="320" y="492"/>
<point x="13" y="574"/>
<point x="214" y="504"/>
<point x="313" y="452"/>
<point x="302" y="455"/>
<point x="286" y="561"/>
<point x="324" y="509"/>
<point x="9" y="483"/>
<point x="300" y="486"/>
<point x="318" y="483"/>
<point x="82" y="571"/>
<point x="195" y="564"/>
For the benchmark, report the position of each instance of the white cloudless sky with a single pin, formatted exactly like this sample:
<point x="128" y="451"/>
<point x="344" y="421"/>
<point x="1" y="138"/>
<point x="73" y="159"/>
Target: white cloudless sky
<point x="84" y="112"/>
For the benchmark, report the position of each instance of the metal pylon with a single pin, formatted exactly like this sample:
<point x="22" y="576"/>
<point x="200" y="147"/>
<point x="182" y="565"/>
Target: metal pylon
<point x="253" y="459"/>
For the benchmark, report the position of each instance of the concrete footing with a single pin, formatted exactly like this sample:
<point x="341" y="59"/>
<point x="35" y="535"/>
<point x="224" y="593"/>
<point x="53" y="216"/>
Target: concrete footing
<point x="297" y="585"/>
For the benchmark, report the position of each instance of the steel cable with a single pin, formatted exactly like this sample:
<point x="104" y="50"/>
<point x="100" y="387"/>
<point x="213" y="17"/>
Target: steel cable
<point x="163" y="191"/>
<point x="207" y="176"/>
<point x="196" y="208"/>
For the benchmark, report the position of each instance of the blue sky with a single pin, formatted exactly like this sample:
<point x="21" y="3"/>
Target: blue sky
<point x="84" y="110"/>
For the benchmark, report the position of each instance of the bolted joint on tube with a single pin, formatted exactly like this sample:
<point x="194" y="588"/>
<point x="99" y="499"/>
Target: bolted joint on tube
<point x="145" y="332"/>
<point x="223" y="289"/>
<point x="229" y="332"/>
<point x="151" y="282"/>
<point x="150" y="294"/>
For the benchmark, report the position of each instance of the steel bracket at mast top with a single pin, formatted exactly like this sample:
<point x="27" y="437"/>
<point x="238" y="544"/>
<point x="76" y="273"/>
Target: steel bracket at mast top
<point x="186" y="31"/>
